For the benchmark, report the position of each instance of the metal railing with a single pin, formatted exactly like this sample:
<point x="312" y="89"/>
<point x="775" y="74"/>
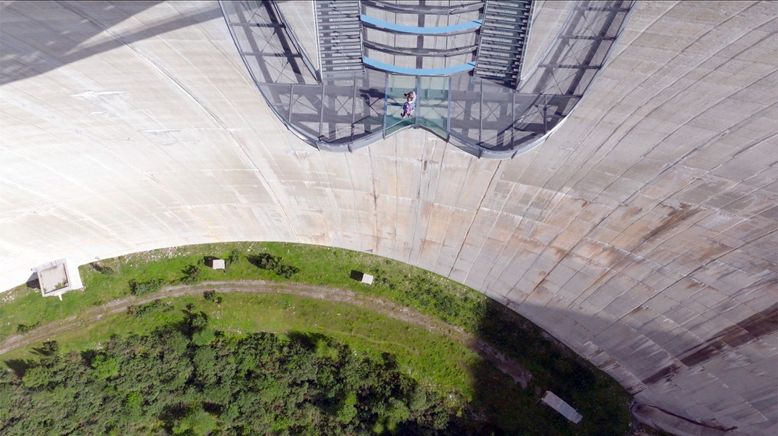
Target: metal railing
<point x="401" y="8"/>
<point x="293" y="39"/>
<point x="485" y="121"/>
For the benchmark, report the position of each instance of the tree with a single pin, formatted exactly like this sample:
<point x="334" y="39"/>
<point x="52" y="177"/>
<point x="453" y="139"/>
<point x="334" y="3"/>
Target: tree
<point x="145" y="287"/>
<point x="105" y="367"/>
<point x="191" y="274"/>
<point x="233" y="256"/>
<point x="212" y="296"/>
<point x="265" y="261"/>
<point x="228" y="385"/>
<point x="286" y="271"/>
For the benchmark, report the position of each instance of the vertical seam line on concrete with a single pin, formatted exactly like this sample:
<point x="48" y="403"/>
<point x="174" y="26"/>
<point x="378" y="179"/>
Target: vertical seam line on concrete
<point x="475" y="214"/>
<point x="616" y="143"/>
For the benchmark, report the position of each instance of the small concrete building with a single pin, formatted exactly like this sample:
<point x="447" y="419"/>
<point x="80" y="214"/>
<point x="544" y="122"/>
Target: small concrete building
<point x="362" y="277"/>
<point x="55" y="278"/>
<point x="215" y="263"/>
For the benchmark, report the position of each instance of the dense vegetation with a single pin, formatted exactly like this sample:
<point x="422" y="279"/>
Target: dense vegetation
<point x="256" y="384"/>
<point x="601" y="401"/>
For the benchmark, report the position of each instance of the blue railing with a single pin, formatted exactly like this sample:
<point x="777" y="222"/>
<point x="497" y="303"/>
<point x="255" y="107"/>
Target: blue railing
<point x="407" y="71"/>
<point x="468" y="26"/>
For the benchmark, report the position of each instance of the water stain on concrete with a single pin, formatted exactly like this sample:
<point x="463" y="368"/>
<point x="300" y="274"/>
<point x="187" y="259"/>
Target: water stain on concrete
<point x="675" y="217"/>
<point x="665" y="373"/>
<point x="752" y="328"/>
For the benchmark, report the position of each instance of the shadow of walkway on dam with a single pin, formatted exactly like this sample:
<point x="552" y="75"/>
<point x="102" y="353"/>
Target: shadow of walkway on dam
<point x="38" y="37"/>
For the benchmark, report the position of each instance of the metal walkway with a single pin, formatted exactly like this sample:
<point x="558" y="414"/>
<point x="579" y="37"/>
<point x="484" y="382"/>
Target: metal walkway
<point x="479" y="115"/>
<point x="503" y="38"/>
<point x="340" y="37"/>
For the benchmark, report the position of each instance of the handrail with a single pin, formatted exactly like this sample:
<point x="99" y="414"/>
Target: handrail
<point x="361" y="32"/>
<point x="350" y="127"/>
<point x="428" y="10"/>
<point x="527" y="43"/>
<point x="376" y="23"/>
<point x="316" y="36"/>
<point x="404" y="120"/>
<point x="413" y="51"/>
<point x="257" y="83"/>
<point x="295" y="41"/>
<point x="407" y="71"/>
<point x="523" y="49"/>
<point x="480" y="39"/>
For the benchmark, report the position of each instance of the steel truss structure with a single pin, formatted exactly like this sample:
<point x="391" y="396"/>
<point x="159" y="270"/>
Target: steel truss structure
<point x="483" y="117"/>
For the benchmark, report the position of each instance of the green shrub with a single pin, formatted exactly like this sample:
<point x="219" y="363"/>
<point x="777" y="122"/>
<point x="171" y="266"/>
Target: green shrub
<point x="212" y="296"/>
<point x="102" y="269"/>
<point x="381" y="278"/>
<point x="191" y="274"/>
<point x="168" y="383"/>
<point x="265" y="261"/>
<point x="145" y="309"/>
<point x="194" y="321"/>
<point x="105" y="367"/>
<point x="273" y="263"/>
<point x="24" y="328"/>
<point x="286" y="271"/>
<point x="233" y="257"/>
<point x="145" y="287"/>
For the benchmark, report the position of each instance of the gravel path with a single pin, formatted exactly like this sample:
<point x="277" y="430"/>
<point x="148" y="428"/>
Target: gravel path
<point x="384" y="307"/>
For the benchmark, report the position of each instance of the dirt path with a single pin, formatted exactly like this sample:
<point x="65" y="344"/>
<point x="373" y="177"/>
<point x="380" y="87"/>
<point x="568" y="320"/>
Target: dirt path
<point x="384" y="307"/>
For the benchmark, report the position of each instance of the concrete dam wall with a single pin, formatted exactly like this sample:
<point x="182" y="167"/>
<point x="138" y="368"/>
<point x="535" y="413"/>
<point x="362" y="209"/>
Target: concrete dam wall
<point x="642" y="233"/>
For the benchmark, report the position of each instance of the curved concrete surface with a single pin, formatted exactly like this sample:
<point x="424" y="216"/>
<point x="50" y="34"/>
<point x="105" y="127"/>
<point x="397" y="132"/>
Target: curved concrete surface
<point x="642" y="233"/>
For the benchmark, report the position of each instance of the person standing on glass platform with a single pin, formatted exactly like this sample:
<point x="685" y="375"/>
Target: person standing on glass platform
<point x="410" y="104"/>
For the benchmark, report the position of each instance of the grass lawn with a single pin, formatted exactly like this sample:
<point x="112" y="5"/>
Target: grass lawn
<point x="437" y="361"/>
<point x="434" y="359"/>
<point x="431" y="358"/>
<point x="318" y="266"/>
